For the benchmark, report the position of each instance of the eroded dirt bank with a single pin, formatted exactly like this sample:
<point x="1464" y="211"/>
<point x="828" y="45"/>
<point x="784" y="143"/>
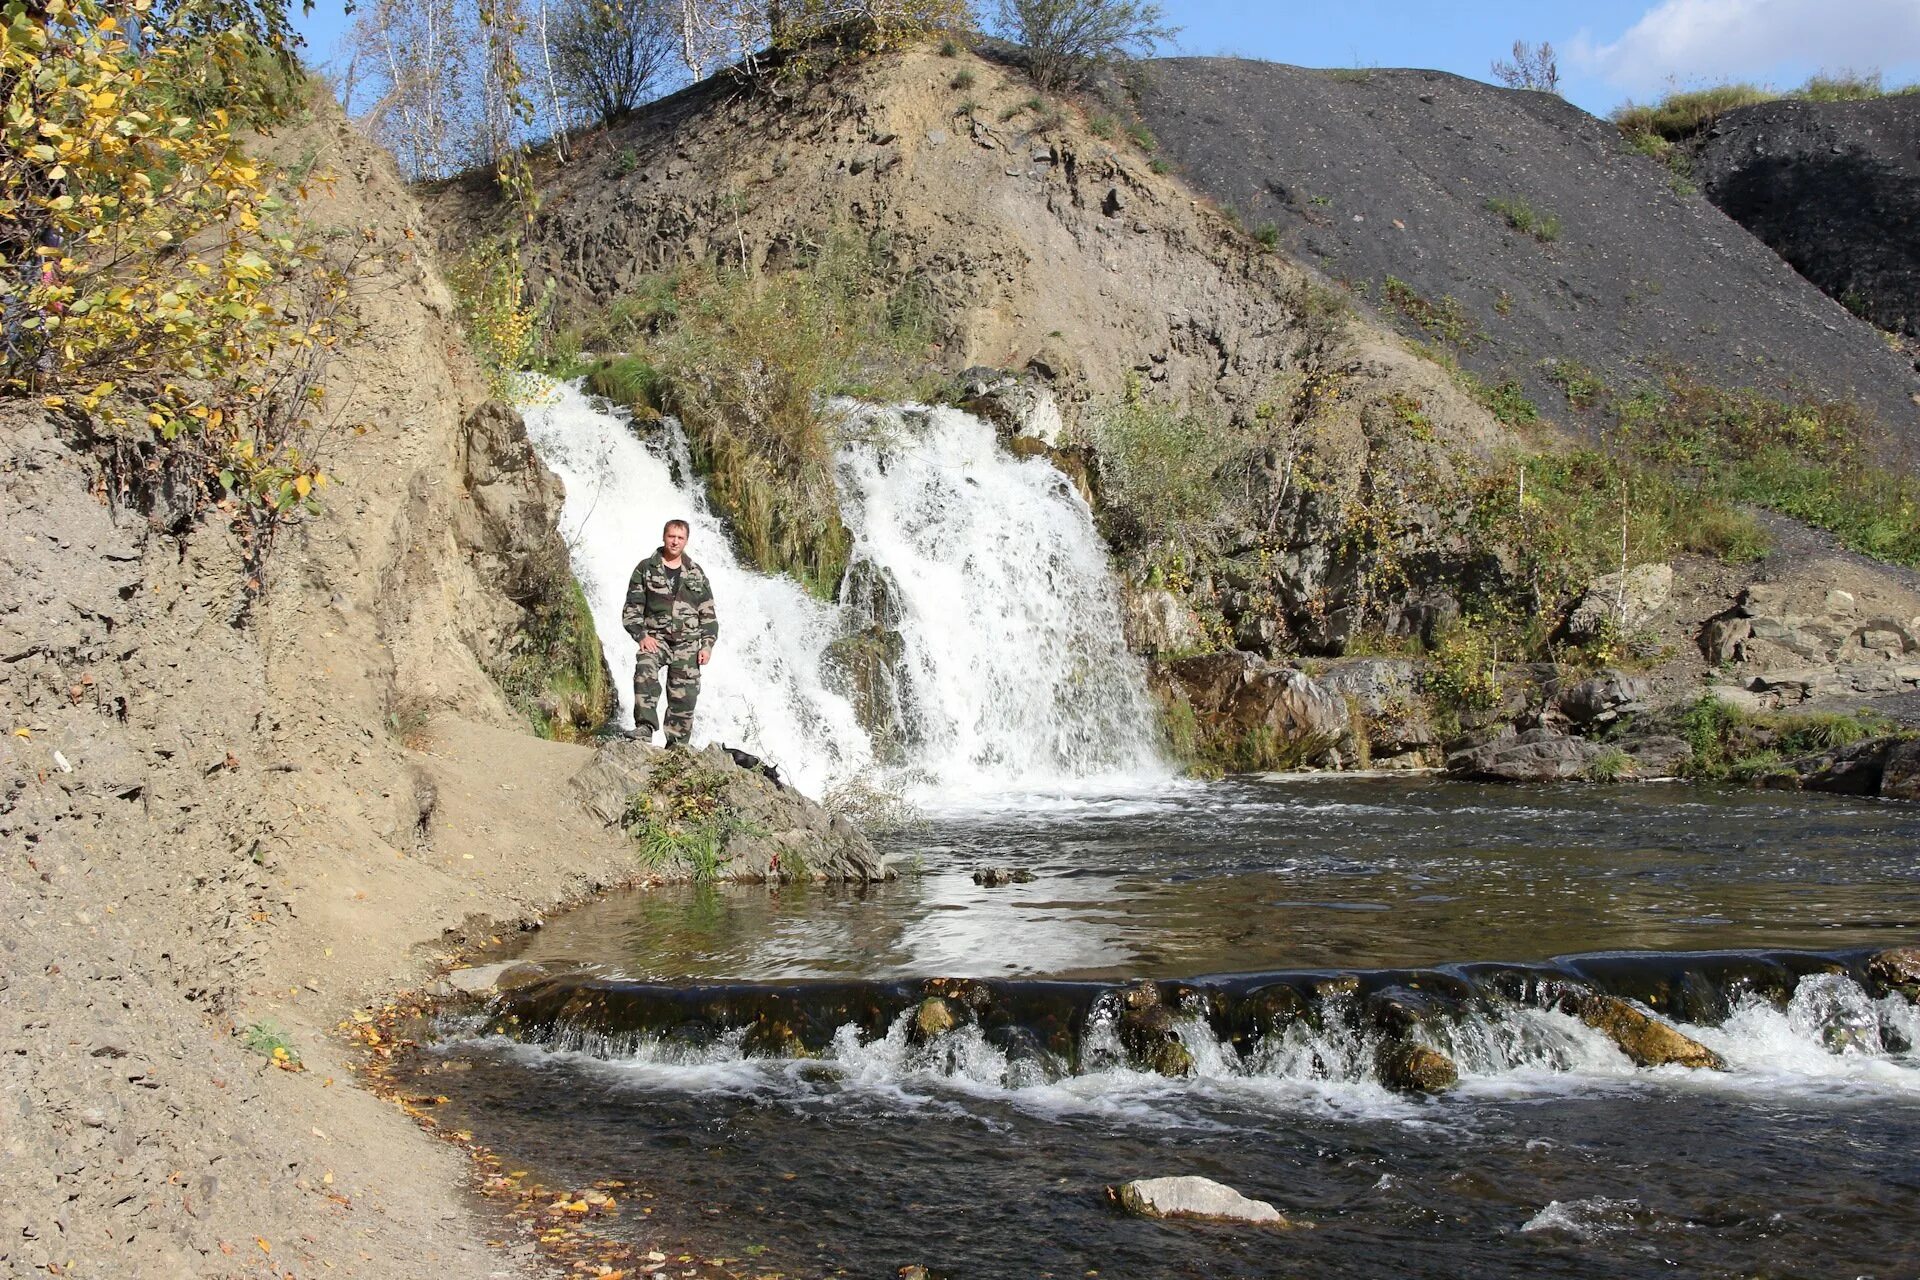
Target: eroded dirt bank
<point x="213" y="823"/>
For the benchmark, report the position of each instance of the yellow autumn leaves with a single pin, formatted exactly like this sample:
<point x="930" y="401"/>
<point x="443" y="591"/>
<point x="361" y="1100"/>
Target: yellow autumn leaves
<point x="152" y="272"/>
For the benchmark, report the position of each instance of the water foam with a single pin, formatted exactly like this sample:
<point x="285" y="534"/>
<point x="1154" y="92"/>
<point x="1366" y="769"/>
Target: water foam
<point x="1013" y="673"/>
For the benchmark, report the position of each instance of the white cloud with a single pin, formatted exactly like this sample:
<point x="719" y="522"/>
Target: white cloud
<point x="1706" y="40"/>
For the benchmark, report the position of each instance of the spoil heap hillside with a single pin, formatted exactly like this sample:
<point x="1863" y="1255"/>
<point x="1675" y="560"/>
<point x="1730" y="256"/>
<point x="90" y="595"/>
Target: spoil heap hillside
<point x="1833" y="188"/>
<point x="1534" y="242"/>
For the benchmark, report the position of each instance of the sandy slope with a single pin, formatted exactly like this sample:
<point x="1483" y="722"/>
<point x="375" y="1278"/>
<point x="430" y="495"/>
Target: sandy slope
<point x="204" y="826"/>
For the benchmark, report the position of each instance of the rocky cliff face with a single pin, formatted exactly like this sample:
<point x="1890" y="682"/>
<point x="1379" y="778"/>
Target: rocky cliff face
<point x="1555" y="239"/>
<point x="1834" y="189"/>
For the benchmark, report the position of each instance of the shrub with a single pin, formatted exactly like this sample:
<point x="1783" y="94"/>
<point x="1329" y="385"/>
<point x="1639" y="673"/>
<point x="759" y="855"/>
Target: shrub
<point x="1465" y="672"/>
<point x="1267" y="235"/>
<point x="1583" y="387"/>
<point x="1534" y="66"/>
<point x="176" y="302"/>
<point x="1610" y="765"/>
<point x="503" y="323"/>
<point x="962" y="79"/>
<point x="1102" y="125"/>
<point x="874" y="807"/>
<point x="1446" y="319"/>
<point x="1522" y="217"/>
<point x="556" y="675"/>
<point x="1159" y="473"/>
<point x="1730" y="743"/>
<point x="1825" y="462"/>
<point x="1064" y="39"/>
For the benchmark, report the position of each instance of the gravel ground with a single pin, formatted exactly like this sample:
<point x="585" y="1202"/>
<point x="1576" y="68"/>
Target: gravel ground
<point x="1391" y="173"/>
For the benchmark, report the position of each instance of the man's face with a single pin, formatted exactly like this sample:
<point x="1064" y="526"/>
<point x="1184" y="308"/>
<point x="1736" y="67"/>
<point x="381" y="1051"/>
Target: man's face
<point x="674" y="539"/>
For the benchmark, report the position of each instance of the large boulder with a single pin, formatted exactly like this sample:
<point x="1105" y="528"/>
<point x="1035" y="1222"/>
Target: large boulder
<point x="1414" y="1068"/>
<point x="1645" y="1039"/>
<point x="764" y="830"/>
<point x="1602" y="698"/>
<point x="1623" y="602"/>
<point x="1897" y="968"/>
<point x="1259" y="714"/>
<point x="1192" y="1197"/>
<point x="1900" y="776"/>
<point x="1537" y="755"/>
<point x="1385" y="696"/>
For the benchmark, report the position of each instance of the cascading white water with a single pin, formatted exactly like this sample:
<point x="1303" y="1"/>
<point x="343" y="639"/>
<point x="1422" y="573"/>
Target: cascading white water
<point x="1014" y="663"/>
<point x="763" y="690"/>
<point x="1011" y="671"/>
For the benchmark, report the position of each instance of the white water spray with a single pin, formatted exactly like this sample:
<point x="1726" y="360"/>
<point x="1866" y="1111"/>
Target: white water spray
<point x="984" y="571"/>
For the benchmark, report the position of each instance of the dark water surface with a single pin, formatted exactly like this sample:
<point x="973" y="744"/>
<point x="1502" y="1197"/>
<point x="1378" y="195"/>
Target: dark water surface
<point x="985" y="1152"/>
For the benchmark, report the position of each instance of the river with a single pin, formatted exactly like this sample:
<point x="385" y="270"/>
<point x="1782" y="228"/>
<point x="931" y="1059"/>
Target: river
<point x="987" y="1152"/>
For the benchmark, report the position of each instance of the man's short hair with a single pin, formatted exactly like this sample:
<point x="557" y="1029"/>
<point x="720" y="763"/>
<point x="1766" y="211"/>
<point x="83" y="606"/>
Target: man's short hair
<point x="671" y="525"/>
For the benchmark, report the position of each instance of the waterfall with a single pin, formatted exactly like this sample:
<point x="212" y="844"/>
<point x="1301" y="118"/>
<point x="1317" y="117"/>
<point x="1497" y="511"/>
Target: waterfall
<point x="977" y="643"/>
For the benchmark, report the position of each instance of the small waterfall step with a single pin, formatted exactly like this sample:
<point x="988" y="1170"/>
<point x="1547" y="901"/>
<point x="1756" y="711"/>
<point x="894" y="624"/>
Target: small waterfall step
<point x="978" y="577"/>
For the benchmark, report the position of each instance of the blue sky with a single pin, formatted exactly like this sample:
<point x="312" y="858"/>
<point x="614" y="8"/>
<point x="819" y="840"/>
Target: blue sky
<point x="1610" y="50"/>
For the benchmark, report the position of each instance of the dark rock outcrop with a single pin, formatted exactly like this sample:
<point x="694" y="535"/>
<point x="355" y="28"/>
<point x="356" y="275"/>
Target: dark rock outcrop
<point x="1147" y="1031"/>
<point x="1536" y="755"/>
<point x="1857" y="769"/>
<point x="1833" y="188"/>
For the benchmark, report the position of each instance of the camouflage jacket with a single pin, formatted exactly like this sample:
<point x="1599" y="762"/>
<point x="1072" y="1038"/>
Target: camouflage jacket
<point x="654" y="608"/>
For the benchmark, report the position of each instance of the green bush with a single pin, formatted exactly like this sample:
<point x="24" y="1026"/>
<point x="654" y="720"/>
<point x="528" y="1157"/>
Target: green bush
<point x="1524" y="218"/>
<point x="746" y="362"/>
<point x="1464" y="674"/>
<point x="555" y="675"/>
<point x="1158" y="474"/>
<point x="1611" y="765"/>
<point x="1729" y="743"/>
<point x="1584" y="388"/>
<point x="1445" y="320"/>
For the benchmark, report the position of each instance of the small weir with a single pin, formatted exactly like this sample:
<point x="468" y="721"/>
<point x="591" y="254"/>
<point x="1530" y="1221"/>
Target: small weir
<point x="1822" y="1014"/>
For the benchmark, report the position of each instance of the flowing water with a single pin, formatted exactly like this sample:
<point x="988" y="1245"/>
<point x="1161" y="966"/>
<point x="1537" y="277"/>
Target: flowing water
<point x="984" y="569"/>
<point x="748" y="1056"/>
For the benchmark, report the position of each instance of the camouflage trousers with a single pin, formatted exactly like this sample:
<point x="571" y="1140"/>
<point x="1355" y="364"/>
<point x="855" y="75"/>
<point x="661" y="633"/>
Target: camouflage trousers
<point x="680" y="662"/>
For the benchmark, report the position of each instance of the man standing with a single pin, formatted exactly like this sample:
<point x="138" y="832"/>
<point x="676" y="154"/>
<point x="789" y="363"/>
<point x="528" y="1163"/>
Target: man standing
<point x="669" y="610"/>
